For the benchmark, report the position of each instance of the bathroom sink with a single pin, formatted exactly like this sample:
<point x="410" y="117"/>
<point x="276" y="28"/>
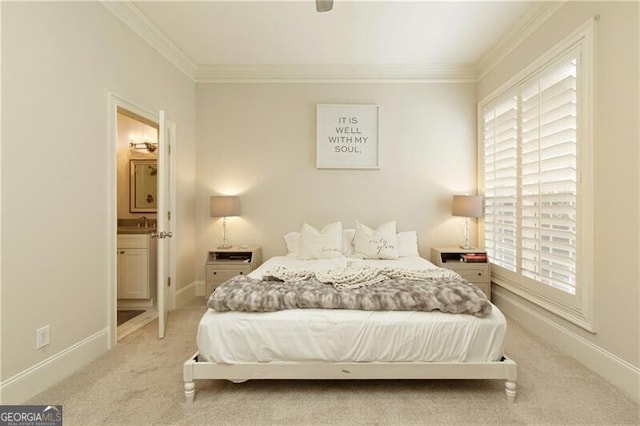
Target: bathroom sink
<point x="136" y="230"/>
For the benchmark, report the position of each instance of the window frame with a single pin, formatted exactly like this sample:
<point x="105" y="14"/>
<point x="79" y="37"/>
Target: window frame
<point x="577" y="308"/>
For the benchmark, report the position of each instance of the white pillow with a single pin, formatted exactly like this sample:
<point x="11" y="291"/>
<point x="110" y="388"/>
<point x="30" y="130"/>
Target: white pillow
<point x="323" y="244"/>
<point x="347" y="241"/>
<point x="407" y="244"/>
<point x="376" y="244"/>
<point x="292" y="239"/>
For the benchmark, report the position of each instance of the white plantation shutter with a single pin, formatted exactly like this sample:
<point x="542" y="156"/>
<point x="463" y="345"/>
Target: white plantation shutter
<point x="536" y="142"/>
<point x="530" y="174"/>
<point x="548" y="171"/>
<point x="500" y="137"/>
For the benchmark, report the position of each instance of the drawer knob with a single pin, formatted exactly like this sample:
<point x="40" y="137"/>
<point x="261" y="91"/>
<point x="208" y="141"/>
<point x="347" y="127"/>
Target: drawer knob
<point x="240" y="272"/>
<point x="214" y="272"/>
<point x="479" y="274"/>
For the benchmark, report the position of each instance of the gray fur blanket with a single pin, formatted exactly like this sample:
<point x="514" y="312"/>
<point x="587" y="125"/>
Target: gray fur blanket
<point x="455" y="296"/>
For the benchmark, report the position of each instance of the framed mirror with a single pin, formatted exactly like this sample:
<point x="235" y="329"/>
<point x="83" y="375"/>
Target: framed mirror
<point x="143" y="191"/>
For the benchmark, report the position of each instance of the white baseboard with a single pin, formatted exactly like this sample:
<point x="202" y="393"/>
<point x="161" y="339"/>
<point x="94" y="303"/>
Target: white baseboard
<point x="30" y="382"/>
<point x="200" y="288"/>
<point x="186" y="294"/>
<point x="614" y="369"/>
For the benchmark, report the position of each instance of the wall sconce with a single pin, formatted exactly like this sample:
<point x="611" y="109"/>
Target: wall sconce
<point x="149" y="146"/>
<point x="467" y="206"/>
<point x="224" y="206"/>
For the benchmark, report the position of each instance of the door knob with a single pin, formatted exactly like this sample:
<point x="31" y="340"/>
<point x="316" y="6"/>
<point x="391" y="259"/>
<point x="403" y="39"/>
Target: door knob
<point x="160" y="235"/>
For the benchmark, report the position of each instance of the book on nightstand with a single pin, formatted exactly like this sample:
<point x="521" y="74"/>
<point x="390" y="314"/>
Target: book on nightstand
<point x="474" y="257"/>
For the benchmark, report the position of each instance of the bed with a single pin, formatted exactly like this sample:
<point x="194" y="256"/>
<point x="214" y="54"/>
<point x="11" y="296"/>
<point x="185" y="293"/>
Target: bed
<point x="318" y="343"/>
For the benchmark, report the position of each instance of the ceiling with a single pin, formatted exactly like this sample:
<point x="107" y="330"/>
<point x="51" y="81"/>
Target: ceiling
<point x="240" y="33"/>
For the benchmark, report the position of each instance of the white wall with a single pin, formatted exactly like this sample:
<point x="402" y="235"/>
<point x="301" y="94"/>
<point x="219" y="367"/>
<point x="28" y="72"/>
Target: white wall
<point x="59" y="61"/>
<point x="258" y="141"/>
<point x="617" y="296"/>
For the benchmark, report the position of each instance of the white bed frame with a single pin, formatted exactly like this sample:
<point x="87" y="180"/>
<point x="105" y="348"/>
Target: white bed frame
<point x="194" y="370"/>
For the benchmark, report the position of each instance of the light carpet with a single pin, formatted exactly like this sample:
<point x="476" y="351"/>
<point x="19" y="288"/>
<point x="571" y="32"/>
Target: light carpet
<point x="139" y="382"/>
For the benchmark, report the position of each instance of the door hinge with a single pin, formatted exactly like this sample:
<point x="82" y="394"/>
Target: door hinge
<point x="169" y="149"/>
<point x="168" y="281"/>
<point x="169" y="215"/>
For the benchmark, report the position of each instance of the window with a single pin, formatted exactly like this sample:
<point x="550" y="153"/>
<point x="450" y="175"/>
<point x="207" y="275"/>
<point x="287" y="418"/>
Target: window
<point x="535" y="141"/>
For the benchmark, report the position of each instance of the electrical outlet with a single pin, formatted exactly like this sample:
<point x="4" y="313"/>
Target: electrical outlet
<point x="42" y="337"/>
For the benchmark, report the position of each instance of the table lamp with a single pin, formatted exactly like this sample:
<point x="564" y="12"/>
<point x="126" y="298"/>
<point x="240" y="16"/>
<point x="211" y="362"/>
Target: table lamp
<point x="224" y="207"/>
<point x="467" y="206"/>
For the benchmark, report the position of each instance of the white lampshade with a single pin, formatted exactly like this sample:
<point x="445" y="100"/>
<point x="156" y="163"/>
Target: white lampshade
<point x="467" y="205"/>
<point x="224" y="206"/>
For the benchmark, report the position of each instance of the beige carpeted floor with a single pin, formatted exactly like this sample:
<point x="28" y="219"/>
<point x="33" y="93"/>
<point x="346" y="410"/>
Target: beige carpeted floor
<point x="139" y="382"/>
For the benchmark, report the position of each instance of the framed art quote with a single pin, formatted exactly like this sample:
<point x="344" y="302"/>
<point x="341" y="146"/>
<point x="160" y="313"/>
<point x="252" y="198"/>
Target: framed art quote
<point x="347" y="137"/>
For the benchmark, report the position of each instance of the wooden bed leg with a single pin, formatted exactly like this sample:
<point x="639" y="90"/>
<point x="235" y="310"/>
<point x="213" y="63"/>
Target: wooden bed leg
<point x="189" y="391"/>
<point x="510" y="389"/>
<point x="187" y="377"/>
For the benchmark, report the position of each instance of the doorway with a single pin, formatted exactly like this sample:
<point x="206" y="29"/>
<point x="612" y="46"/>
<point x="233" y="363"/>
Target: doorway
<point x="140" y="186"/>
<point x="137" y="201"/>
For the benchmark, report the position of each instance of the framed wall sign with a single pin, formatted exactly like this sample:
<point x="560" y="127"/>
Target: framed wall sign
<point x="347" y="137"/>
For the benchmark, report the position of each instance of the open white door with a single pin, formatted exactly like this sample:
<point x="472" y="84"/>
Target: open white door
<point x="164" y="232"/>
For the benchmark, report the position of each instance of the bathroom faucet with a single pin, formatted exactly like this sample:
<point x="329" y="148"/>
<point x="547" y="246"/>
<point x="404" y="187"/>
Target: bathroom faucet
<point x="143" y="222"/>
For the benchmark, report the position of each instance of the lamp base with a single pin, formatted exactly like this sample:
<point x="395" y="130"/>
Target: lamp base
<point x="225" y="244"/>
<point x="467" y="244"/>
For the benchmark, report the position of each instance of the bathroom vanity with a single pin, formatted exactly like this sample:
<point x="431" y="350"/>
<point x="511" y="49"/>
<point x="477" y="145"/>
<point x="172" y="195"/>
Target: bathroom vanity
<point x="137" y="266"/>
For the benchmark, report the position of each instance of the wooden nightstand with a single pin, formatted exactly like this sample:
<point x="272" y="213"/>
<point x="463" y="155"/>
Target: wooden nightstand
<point x="222" y="264"/>
<point x="476" y="273"/>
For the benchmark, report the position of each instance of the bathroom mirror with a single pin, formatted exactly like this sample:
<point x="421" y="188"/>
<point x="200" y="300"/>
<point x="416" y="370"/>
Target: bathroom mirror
<point x="143" y="190"/>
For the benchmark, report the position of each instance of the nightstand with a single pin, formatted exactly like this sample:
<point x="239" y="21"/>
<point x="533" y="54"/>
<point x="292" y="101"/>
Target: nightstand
<point x="476" y="273"/>
<point x="223" y="264"/>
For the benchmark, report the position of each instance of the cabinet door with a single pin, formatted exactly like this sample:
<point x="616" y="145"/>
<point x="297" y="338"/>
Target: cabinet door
<point x="133" y="274"/>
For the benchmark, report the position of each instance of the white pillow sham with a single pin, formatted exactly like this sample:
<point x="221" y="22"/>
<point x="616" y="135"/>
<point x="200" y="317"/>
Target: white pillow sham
<point x="347" y="241"/>
<point x="292" y="240"/>
<point x="407" y="243"/>
<point x="321" y="244"/>
<point x="376" y="244"/>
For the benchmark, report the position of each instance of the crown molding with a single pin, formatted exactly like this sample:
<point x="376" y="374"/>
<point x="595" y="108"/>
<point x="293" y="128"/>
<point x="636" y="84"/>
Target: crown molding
<point x="336" y="73"/>
<point x="132" y="17"/>
<point x="528" y="23"/>
<point x="535" y="16"/>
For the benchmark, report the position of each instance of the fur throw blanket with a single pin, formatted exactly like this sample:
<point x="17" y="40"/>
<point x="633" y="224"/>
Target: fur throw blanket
<point x="445" y="292"/>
